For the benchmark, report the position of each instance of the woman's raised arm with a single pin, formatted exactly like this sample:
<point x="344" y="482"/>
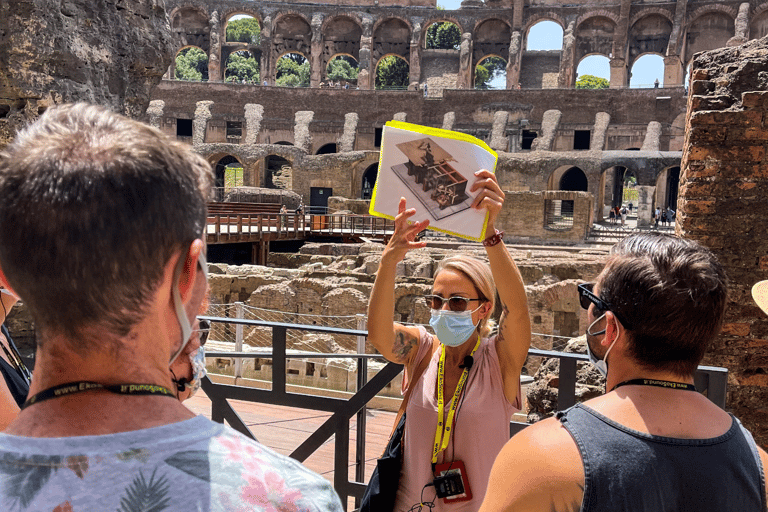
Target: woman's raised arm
<point x="394" y="341"/>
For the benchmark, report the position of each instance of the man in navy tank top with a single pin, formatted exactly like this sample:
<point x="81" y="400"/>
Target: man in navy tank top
<point x="651" y="443"/>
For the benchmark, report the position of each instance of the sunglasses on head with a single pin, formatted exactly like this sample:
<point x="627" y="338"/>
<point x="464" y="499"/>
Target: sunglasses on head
<point x="455" y="303"/>
<point x="587" y="297"/>
<point x="204" y="328"/>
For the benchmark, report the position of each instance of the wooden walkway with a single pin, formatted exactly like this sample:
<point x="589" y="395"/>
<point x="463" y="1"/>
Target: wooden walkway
<point x="285" y="428"/>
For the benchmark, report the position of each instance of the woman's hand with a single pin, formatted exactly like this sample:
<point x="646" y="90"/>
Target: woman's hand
<point x="403" y="238"/>
<point x="490" y="196"/>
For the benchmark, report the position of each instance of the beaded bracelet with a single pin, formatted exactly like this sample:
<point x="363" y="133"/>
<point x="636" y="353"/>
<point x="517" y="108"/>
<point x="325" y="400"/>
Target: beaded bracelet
<point x="494" y="239"/>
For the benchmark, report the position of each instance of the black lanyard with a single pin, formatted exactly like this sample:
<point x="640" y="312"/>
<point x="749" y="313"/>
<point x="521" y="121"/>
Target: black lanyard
<point x="657" y="383"/>
<point x="78" y="387"/>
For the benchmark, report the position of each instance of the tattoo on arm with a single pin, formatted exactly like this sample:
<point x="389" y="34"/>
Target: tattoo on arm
<point x="404" y="343"/>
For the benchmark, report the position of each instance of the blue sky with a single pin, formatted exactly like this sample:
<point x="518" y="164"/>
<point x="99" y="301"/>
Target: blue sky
<point x="549" y="36"/>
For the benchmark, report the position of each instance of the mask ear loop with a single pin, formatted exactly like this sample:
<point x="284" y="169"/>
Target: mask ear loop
<point x="181" y="314"/>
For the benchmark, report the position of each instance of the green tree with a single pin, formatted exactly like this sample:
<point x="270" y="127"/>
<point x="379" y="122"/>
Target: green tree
<point x="244" y="30"/>
<point x="392" y="72"/>
<point x="592" y="82"/>
<point x="292" y="71"/>
<point x="242" y="66"/>
<point x="192" y="64"/>
<point x="443" y="35"/>
<point x="489" y="69"/>
<point x="342" y="67"/>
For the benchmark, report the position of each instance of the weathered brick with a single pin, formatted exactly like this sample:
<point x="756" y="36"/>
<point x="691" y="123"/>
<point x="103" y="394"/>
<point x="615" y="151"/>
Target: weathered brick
<point x="754" y="98"/>
<point x="736" y="329"/>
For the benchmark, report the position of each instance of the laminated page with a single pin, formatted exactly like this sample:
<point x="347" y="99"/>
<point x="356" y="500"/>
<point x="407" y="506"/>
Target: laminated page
<point x="434" y="170"/>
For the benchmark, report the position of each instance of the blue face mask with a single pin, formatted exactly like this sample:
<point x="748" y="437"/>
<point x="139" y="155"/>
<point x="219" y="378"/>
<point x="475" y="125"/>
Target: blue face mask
<point x="198" y="371"/>
<point x="452" y="327"/>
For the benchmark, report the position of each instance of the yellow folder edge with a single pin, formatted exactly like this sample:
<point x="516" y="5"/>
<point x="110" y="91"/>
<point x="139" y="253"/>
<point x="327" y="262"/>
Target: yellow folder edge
<point x="446" y="134"/>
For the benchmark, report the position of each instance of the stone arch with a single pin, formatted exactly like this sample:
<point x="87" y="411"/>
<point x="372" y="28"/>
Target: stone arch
<point x="649" y="11"/>
<point x="391" y="36"/>
<point x="172" y="67"/>
<point x="649" y="34"/>
<point x="556" y="177"/>
<point x="491" y="36"/>
<point x="600" y="13"/>
<point x="729" y="11"/>
<point x="226" y="59"/>
<point x="190" y="27"/>
<point x="291" y="52"/>
<point x="341" y="35"/>
<point x="278" y="170"/>
<point x="711" y="29"/>
<point x="327" y="149"/>
<point x="347" y="55"/>
<point x="292" y="33"/>
<point x="544" y="16"/>
<point x="219" y="172"/>
<point x="667" y="187"/>
<point x="429" y="23"/>
<point x="498" y="71"/>
<point x="369" y="180"/>
<point x="376" y="67"/>
<point x="758" y="22"/>
<point x="227" y="16"/>
<point x="594" y="36"/>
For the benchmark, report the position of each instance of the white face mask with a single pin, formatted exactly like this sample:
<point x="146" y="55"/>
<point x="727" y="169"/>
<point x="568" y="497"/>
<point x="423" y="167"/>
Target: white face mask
<point x="600" y="364"/>
<point x="181" y="314"/>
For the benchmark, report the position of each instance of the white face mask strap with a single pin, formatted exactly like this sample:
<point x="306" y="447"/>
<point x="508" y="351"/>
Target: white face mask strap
<point x="181" y="314"/>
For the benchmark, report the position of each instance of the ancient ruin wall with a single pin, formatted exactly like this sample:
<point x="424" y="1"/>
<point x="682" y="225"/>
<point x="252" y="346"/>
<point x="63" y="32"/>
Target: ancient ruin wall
<point x="111" y="54"/>
<point x="722" y="204"/>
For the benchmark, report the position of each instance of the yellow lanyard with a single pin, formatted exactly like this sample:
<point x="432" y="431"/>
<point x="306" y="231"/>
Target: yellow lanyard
<point x="443" y="431"/>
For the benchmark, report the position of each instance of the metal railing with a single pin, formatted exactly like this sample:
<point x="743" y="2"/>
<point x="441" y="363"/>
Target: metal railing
<point x="711" y="380"/>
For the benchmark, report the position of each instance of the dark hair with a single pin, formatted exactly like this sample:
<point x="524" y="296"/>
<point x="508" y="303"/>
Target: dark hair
<point x="673" y="292"/>
<point x="93" y="207"/>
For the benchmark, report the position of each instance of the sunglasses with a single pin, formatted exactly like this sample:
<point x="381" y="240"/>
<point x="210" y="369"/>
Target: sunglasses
<point x="455" y="303"/>
<point x="204" y="328"/>
<point x="587" y="297"/>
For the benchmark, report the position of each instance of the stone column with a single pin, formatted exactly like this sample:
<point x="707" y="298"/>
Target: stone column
<point x="549" y="123"/>
<point x="253" y="115"/>
<point x="414" y="76"/>
<point x="515" y="58"/>
<point x="316" y="71"/>
<point x="214" y="55"/>
<point x="466" y="75"/>
<point x="200" y="123"/>
<point x="155" y="112"/>
<point x="741" y="26"/>
<point x="448" y="119"/>
<point x="673" y="71"/>
<point x="644" y="205"/>
<point x="499" y="142"/>
<point x="602" y="120"/>
<point x="565" y="79"/>
<point x="366" y="77"/>
<point x="347" y="141"/>
<point x="265" y="66"/>
<point x="619" y="73"/>
<point x="652" y="137"/>
<point x="302" y="137"/>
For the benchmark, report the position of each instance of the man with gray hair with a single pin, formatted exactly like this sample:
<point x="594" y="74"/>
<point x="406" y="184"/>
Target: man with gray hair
<point x="652" y="443"/>
<point x="102" y="228"/>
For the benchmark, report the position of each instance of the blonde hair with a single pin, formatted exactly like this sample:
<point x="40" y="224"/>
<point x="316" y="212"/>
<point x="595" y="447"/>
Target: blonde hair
<point x="479" y="274"/>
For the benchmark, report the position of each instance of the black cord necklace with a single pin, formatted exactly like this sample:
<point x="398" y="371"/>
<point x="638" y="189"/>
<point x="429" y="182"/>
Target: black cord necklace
<point x="657" y="383"/>
<point x="72" y="388"/>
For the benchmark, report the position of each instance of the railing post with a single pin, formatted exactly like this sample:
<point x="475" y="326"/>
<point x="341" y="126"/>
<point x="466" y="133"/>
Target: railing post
<point x="238" y="341"/>
<point x="566" y="389"/>
<point x="362" y="379"/>
<point x="278" y="360"/>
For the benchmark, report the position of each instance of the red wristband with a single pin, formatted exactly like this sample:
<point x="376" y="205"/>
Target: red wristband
<point x="494" y="239"/>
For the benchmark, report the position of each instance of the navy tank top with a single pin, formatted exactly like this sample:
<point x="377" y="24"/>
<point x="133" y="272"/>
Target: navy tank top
<point x="630" y="471"/>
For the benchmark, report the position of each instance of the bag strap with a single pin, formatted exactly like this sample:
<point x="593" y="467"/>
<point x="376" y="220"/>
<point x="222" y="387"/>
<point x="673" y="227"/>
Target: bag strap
<point x="414" y="378"/>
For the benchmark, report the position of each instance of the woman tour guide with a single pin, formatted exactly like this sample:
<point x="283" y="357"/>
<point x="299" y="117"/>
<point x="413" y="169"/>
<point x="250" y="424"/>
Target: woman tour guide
<point x="472" y="381"/>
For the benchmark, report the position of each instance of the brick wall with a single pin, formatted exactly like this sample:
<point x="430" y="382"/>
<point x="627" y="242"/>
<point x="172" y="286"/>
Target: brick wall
<point x="524" y="217"/>
<point x="722" y="204"/>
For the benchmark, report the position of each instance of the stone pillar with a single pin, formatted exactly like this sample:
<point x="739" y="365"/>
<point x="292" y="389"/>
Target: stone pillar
<point x="302" y="138"/>
<point x="515" y="57"/>
<point x="200" y="123"/>
<point x="499" y="142"/>
<point x="673" y="71"/>
<point x="466" y="75"/>
<point x="549" y="124"/>
<point x="316" y="70"/>
<point x="722" y="205"/>
<point x="400" y="116"/>
<point x="214" y="55"/>
<point x="602" y="120"/>
<point x="644" y="205"/>
<point x="414" y="76"/>
<point x="741" y="26"/>
<point x="347" y="141"/>
<point x="448" y="119"/>
<point x="565" y="79"/>
<point x="253" y="115"/>
<point x="652" y="137"/>
<point x="365" y="78"/>
<point x="619" y="73"/>
<point x="155" y="112"/>
<point x="265" y="66"/>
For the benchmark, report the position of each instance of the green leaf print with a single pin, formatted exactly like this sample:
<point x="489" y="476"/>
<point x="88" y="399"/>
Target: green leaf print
<point x="194" y="463"/>
<point x="143" y="496"/>
<point x="23" y="477"/>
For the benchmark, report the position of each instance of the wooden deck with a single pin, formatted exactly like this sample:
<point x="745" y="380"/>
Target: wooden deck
<point x="285" y="428"/>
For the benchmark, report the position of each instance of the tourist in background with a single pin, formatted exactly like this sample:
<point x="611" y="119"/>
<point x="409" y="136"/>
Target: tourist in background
<point x="479" y="370"/>
<point x="652" y="443"/>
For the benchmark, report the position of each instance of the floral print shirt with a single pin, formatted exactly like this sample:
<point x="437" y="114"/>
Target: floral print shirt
<point x="194" y="465"/>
